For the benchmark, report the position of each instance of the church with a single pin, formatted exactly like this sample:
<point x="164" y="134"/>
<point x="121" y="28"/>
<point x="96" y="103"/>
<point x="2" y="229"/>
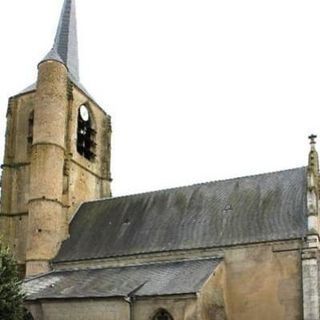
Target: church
<point x="239" y="249"/>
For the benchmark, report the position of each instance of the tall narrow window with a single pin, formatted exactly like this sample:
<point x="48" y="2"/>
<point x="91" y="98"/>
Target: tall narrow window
<point x="86" y="134"/>
<point x="162" y="315"/>
<point x="30" y="130"/>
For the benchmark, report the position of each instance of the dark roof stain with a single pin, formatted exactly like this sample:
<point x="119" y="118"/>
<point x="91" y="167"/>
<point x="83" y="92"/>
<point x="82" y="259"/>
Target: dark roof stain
<point x="166" y="278"/>
<point x="245" y="210"/>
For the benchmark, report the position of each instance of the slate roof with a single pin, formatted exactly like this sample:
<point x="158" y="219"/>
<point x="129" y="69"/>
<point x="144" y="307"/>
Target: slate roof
<point x="65" y="47"/>
<point x="30" y="88"/>
<point x="143" y="280"/>
<point x="245" y="210"/>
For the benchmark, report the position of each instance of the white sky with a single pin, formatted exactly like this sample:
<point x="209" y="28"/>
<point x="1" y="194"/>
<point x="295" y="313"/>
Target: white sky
<point x="198" y="90"/>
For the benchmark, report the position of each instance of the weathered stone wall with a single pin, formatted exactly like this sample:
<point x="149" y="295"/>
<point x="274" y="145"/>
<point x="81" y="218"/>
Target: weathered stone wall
<point x="44" y="178"/>
<point x="310" y="278"/>
<point x="263" y="284"/>
<point x="46" y="222"/>
<point x="212" y="300"/>
<point x="86" y="309"/>
<point x="255" y="282"/>
<point x="85" y="179"/>
<point x="183" y="307"/>
<point x="16" y="175"/>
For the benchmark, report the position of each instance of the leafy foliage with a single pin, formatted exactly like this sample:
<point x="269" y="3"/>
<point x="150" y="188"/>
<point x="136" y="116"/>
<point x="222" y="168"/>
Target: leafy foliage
<point x="11" y="296"/>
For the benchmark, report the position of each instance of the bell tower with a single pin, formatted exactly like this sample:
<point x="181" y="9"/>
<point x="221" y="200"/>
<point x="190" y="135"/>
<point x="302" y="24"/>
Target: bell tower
<point x="57" y="153"/>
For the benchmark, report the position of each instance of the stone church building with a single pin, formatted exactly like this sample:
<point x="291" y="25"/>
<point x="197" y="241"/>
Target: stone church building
<point x="239" y="249"/>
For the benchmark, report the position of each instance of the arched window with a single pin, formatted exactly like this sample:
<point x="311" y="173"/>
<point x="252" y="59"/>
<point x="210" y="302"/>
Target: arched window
<point x="86" y="134"/>
<point x="27" y="315"/>
<point x="162" y="315"/>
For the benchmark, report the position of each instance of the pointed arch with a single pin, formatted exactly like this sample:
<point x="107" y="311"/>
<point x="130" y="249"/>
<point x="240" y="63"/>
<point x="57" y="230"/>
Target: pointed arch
<point x="162" y="314"/>
<point x="27" y="315"/>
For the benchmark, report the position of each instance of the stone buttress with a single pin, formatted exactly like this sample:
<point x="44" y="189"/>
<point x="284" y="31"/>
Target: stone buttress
<point x="310" y="250"/>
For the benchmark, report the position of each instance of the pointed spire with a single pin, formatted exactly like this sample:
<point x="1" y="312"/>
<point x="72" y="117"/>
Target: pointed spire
<point x="65" y="47"/>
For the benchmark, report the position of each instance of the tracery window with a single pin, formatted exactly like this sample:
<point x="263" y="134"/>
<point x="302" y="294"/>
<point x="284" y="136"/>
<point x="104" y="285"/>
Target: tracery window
<point x="162" y="315"/>
<point x="86" y="134"/>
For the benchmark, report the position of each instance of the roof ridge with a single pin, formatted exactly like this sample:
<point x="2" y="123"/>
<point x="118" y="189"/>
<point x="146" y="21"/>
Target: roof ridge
<point x="191" y="185"/>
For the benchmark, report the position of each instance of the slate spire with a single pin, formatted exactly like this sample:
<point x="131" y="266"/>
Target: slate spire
<point x="65" y="47"/>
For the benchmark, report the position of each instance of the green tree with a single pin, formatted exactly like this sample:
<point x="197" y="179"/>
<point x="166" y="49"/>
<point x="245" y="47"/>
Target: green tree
<point x="11" y="296"/>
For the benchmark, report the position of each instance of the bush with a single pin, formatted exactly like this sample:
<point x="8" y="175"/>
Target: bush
<point x="11" y="296"/>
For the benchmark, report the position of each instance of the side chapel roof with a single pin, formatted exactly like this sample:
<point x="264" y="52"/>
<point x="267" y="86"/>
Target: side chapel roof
<point x="165" y="278"/>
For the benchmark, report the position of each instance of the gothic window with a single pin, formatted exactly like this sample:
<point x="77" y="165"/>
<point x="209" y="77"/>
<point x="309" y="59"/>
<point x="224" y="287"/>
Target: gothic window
<point x="86" y="134"/>
<point x="28" y="315"/>
<point x="30" y="130"/>
<point x="162" y="315"/>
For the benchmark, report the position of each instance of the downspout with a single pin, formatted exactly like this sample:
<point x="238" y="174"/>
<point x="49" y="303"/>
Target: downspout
<point x="130" y="299"/>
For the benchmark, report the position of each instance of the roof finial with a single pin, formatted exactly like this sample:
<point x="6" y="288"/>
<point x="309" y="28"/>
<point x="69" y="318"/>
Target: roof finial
<point x="65" y="47"/>
<point x="313" y="155"/>
<point x="313" y="138"/>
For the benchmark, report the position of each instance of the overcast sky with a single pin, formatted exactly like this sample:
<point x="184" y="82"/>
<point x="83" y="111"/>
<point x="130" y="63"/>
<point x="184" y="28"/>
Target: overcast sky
<point x="198" y="90"/>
